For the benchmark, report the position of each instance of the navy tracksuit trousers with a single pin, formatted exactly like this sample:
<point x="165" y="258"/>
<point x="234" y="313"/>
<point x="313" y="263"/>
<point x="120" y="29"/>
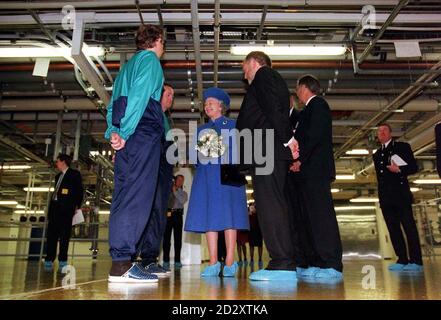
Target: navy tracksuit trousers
<point x="136" y="175"/>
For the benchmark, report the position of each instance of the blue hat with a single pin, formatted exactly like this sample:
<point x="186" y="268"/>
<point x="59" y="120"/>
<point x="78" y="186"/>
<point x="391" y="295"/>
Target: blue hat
<point x="218" y="94"/>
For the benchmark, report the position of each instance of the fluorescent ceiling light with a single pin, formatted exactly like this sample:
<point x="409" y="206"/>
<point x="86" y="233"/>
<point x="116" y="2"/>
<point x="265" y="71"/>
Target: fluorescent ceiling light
<point x="8" y="203"/>
<point x="364" y="199"/>
<point x="39" y="189"/>
<point x="427" y="181"/>
<point x="345" y="176"/>
<point x="250" y="190"/>
<point x="104" y="212"/>
<point x="36" y="52"/>
<point x="335" y="190"/>
<point x="351" y="208"/>
<point x="29" y="211"/>
<point x="15" y="167"/>
<point x="248" y="178"/>
<point x="290" y="50"/>
<point x="415" y="189"/>
<point x="358" y="152"/>
<point x="20" y="206"/>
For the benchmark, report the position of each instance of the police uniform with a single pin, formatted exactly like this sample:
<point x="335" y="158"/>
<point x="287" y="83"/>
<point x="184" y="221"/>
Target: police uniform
<point x="396" y="199"/>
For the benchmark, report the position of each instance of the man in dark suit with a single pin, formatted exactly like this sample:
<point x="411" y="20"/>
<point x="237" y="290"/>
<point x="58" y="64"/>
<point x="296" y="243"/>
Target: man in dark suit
<point x="266" y="106"/>
<point x="298" y="220"/>
<point x="66" y="198"/>
<point x="393" y="163"/>
<point x="316" y="169"/>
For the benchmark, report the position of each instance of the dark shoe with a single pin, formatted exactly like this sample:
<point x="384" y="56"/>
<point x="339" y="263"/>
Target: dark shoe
<point x="163" y="268"/>
<point x="153" y="268"/>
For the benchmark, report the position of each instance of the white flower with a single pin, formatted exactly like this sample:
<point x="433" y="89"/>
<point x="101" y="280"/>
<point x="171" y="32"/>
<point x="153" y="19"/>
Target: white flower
<point x="210" y="144"/>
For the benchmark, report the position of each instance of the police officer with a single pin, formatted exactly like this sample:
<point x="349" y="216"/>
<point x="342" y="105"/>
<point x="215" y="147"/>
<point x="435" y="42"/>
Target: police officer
<point x="393" y="163"/>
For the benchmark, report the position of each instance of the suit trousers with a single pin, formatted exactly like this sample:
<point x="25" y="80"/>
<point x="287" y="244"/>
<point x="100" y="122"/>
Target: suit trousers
<point x="174" y="224"/>
<point x="272" y="212"/>
<point x="136" y="174"/>
<point x="299" y="223"/>
<point x="59" y="229"/>
<point x="323" y="235"/>
<point x="401" y="215"/>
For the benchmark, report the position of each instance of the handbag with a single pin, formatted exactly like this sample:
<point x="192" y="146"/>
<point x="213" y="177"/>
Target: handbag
<point x="230" y="175"/>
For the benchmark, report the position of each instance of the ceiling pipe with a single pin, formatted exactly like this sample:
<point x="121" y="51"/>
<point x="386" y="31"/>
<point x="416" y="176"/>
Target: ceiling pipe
<point x="360" y="103"/>
<point x="197" y="51"/>
<point x="129" y="3"/>
<point x="228" y="64"/>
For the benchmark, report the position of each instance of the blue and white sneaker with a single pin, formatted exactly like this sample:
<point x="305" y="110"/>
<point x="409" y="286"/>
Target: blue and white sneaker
<point x="136" y="274"/>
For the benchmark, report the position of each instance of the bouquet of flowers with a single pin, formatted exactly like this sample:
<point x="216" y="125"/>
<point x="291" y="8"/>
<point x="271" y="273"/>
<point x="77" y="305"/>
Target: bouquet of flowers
<point x="210" y="144"/>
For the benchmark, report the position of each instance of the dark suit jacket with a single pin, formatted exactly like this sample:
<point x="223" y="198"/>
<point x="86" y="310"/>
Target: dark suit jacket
<point x="393" y="188"/>
<point x="314" y="134"/>
<point x="266" y="106"/>
<point x="70" y="192"/>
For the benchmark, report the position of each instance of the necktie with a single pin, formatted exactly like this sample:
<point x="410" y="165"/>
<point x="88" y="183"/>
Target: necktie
<point x="54" y="195"/>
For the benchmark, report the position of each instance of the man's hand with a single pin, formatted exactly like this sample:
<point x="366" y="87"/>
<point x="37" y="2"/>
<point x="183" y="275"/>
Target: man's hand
<point x="294" y="147"/>
<point x="295" y="167"/>
<point x="117" y="142"/>
<point x="394" y="168"/>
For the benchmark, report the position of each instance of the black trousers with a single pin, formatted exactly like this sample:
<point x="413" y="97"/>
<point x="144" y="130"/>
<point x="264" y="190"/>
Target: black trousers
<point x="322" y="233"/>
<point x="272" y="212"/>
<point x="59" y="229"/>
<point x="395" y="217"/>
<point x="174" y="223"/>
<point x="299" y="223"/>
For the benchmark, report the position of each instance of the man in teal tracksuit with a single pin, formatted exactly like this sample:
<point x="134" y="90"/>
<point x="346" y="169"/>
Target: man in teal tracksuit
<point x="135" y="127"/>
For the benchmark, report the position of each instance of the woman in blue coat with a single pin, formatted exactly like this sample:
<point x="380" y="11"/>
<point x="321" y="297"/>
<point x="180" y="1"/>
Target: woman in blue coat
<point x="215" y="207"/>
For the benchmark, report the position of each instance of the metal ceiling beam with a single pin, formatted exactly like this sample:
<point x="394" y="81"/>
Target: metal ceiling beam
<point x="48" y="34"/>
<point x="25" y="152"/>
<point x="406" y="96"/>
<point x="84" y="63"/>
<point x="216" y="41"/>
<point x="197" y="52"/>
<point x="139" y="11"/>
<point x="128" y="3"/>
<point x="160" y="18"/>
<point x="380" y="32"/>
<point x="287" y="18"/>
<point x="262" y="23"/>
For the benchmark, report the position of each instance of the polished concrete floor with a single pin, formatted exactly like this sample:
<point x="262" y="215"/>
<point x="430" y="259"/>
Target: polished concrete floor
<point x="363" y="279"/>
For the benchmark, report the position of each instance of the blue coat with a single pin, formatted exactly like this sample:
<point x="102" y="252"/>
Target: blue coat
<point x="213" y="206"/>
